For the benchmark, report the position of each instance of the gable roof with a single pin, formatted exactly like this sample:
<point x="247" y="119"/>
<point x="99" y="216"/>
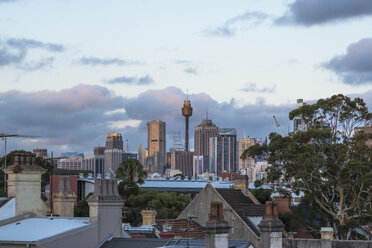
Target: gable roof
<point x="243" y="206"/>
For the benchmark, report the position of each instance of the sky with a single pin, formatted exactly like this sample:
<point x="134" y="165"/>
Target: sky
<point x="72" y="71"/>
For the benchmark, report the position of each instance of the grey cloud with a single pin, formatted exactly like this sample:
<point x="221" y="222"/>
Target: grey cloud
<point x="24" y="44"/>
<point x="355" y="66"/>
<point x="312" y="12"/>
<point x="293" y="61"/>
<point x="73" y="117"/>
<point x="145" y="80"/>
<point x="254" y="119"/>
<point x="227" y="30"/>
<point x="93" y="61"/>
<point x="191" y="70"/>
<point x="14" y="52"/>
<point x="252" y="87"/>
<point x="79" y="118"/>
<point x="36" y="65"/>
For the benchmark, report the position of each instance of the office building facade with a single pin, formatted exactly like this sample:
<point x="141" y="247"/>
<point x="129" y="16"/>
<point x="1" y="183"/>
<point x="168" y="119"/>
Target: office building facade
<point x="202" y="134"/>
<point x="156" y="143"/>
<point x="113" y="153"/>
<point x="223" y="152"/>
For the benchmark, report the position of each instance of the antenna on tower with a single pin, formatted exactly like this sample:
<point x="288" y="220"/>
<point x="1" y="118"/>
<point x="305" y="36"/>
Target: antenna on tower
<point x="206" y="112"/>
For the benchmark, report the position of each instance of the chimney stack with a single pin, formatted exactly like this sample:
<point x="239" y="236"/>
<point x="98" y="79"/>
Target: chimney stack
<point x="105" y="208"/>
<point x="64" y="198"/>
<point x="148" y="217"/>
<point x="216" y="229"/>
<point x="271" y="227"/>
<point x="24" y="184"/>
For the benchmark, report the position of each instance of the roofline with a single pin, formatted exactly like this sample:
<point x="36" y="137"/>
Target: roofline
<point x="236" y="212"/>
<point x="17" y="218"/>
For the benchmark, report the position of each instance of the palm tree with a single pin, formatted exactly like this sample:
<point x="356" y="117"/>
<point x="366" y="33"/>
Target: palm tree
<point x="131" y="169"/>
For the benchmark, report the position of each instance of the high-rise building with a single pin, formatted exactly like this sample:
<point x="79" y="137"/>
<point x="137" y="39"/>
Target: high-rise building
<point x="298" y="122"/>
<point x="223" y="152"/>
<point x="157" y="144"/>
<point x="114" y="141"/>
<point x="203" y="132"/>
<point x="183" y="161"/>
<point x="113" y="153"/>
<point x="99" y="150"/>
<point x="242" y="145"/>
<point x="40" y="152"/>
<point x="200" y="165"/>
<point x="142" y="154"/>
<point x="96" y="163"/>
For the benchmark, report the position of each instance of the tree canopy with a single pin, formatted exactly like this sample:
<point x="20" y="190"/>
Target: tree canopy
<point x="330" y="164"/>
<point x="131" y="169"/>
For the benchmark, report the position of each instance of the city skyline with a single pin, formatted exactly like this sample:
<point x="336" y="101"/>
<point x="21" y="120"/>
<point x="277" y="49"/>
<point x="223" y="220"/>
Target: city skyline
<point x="71" y="84"/>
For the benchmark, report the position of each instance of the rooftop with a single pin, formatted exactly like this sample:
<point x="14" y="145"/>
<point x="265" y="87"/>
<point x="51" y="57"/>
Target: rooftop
<point x="35" y="229"/>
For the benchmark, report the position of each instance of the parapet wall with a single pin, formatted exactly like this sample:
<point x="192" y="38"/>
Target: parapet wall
<point x="323" y="243"/>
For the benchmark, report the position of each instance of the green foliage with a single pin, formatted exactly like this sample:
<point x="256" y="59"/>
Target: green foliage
<point x="82" y="208"/>
<point x="291" y="220"/>
<point x="167" y="205"/>
<point x="131" y="169"/>
<point x="262" y="195"/>
<point x="179" y="175"/>
<point x="327" y="162"/>
<point x="128" y="188"/>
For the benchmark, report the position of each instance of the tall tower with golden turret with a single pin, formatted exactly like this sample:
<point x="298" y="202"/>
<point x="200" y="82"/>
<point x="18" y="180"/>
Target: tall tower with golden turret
<point x="187" y="112"/>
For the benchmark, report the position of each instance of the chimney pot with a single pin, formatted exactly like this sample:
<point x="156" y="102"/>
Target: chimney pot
<point x="16" y="159"/>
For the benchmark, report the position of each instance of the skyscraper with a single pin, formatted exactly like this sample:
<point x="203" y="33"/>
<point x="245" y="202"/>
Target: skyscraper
<point x="114" y="141"/>
<point x="156" y="144"/>
<point x="298" y="123"/>
<point x="223" y="152"/>
<point x="203" y="132"/>
<point x="113" y="152"/>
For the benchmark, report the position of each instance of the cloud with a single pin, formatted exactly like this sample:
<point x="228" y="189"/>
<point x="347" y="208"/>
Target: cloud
<point x="191" y="70"/>
<point x="227" y="29"/>
<point x="80" y="117"/>
<point x="14" y="52"/>
<point x="182" y="61"/>
<point x="252" y="87"/>
<point x="145" y="80"/>
<point x="355" y="66"/>
<point x="313" y="12"/>
<point x="73" y="117"/>
<point x="94" y="61"/>
<point x="293" y="61"/>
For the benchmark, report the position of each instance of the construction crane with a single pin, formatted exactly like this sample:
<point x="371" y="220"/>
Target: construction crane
<point x="278" y="125"/>
<point x="4" y="137"/>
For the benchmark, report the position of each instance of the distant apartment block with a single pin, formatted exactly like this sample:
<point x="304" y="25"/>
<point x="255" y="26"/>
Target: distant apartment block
<point x="71" y="163"/>
<point x="298" y="122"/>
<point x="95" y="163"/>
<point x="200" y="165"/>
<point x="242" y="145"/>
<point x="40" y="152"/>
<point x="99" y="150"/>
